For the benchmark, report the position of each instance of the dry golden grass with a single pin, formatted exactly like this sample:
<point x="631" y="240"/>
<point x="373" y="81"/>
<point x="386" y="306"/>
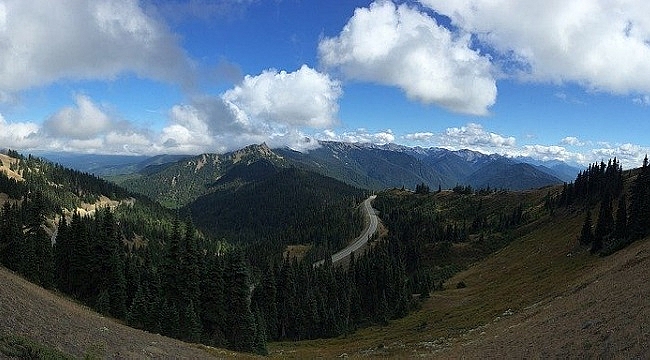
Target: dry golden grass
<point x="542" y="274"/>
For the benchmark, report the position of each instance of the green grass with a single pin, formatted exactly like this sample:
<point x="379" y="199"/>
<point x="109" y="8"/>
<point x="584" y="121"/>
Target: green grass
<point x="541" y="262"/>
<point x="20" y="347"/>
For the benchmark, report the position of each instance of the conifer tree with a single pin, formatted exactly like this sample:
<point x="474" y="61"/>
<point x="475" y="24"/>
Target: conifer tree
<point x="586" y="234"/>
<point x="10" y="236"/>
<point x="620" y="231"/>
<point x="638" y="223"/>
<point x="138" y="312"/>
<point x="604" y="225"/>
<point x="239" y="320"/>
<point x="213" y="301"/>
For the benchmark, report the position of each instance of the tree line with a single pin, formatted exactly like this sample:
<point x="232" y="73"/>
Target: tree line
<point x="601" y="186"/>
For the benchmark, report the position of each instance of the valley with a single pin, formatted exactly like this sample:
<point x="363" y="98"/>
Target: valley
<point x="460" y="272"/>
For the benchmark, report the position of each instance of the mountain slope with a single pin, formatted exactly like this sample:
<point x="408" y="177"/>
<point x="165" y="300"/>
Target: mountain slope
<point x="177" y="184"/>
<point x="263" y="202"/>
<point x="542" y="296"/>
<point x="504" y="173"/>
<point x="385" y="166"/>
<point x="175" y="180"/>
<point x="30" y="311"/>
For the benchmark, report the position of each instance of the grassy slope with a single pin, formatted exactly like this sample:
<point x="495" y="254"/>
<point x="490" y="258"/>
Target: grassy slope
<point x="31" y="314"/>
<point x="539" y="297"/>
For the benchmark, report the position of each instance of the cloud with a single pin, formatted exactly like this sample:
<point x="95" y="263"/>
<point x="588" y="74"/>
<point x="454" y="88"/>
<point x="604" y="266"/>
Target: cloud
<point x="44" y="41"/>
<point x="630" y="155"/>
<point x="472" y="136"/>
<point x="642" y="100"/>
<point x="358" y="136"/>
<point x="271" y="107"/>
<point x="552" y="152"/>
<point x="305" y="97"/>
<point x="419" y="136"/>
<point x="16" y="135"/>
<point x="602" y="45"/>
<point x="84" y="121"/>
<point x="84" y="128"/>
<point x="573" y="141"/>
<point x="403" y="47"/>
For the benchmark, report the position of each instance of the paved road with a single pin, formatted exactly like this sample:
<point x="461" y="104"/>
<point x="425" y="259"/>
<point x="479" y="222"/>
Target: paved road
<point x="367" y="233"/>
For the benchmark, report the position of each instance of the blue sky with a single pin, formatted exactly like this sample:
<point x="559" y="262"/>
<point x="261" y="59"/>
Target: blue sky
<point x="551" y="80"/>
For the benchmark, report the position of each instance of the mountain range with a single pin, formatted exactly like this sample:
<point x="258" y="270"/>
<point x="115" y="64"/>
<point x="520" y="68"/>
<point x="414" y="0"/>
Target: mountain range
<point x="176" y="180"/>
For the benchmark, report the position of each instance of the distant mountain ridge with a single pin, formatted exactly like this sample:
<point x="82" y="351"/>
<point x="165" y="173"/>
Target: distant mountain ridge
<point x="176" y="180"/>
<point x="179" y="183"/>
<point x="391" y="165"/>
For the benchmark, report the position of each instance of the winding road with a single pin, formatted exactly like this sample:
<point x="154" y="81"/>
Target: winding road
<point x="362" y="239"/>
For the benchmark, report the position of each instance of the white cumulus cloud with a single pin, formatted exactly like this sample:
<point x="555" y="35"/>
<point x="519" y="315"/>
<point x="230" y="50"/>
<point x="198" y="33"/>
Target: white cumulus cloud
<point x="472" y="136"/>
<point x="272" y="107"/>
<point x="84" y="121"/>
<point x="630" y="155"/>
<point x="603" y="45"/>
<point x="16" y="135"/>
<point x="420" y="136"/>
<point x="358" y="136"/>
<point x="404" y="47"/>
<point x="305" y="97"/>
<point x="45" y="41"/>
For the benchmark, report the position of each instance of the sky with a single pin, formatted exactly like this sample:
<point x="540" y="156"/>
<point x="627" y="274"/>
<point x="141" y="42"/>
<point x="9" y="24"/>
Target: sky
<point x="566" y="80"/>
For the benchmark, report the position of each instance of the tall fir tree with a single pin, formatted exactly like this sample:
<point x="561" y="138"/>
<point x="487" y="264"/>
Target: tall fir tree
<point x="638" y="222"/>
<point x="604" y="225"/>
<point x="620" y="227"/>
<point x="239" y="321"/>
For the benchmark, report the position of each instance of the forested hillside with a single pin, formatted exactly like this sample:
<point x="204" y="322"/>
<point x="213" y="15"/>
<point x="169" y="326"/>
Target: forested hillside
<point x="288" y="206"/>
<point x="176" y="184"/>
<point x="138" y="262"/>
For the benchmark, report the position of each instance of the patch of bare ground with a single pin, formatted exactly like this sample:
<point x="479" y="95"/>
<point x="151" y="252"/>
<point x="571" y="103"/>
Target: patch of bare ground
<point x="5" y="166"/>
<point x="27" y="310"/>
<point x="296" y="251"/>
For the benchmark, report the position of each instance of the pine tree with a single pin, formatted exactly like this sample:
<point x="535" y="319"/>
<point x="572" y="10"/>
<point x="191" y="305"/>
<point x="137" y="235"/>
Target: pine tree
<point x="190" y="323"/>
<point x="11" y="236"/>
<point x="169" y="319"/>
<point x="138" y="312"/>
<point x="62" y="255"/>
<point x="586" y="234"/>
<point x="638" y="223"/>
<point x="604" y="225"/>
<point x="239" y="321"/>
<point x="212" y="301"/>
<point x="190" y="263"/>
<point x="620" y="228"/>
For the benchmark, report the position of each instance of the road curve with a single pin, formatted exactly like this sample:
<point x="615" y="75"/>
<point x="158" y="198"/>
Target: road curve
<point x="362" y="239"/>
